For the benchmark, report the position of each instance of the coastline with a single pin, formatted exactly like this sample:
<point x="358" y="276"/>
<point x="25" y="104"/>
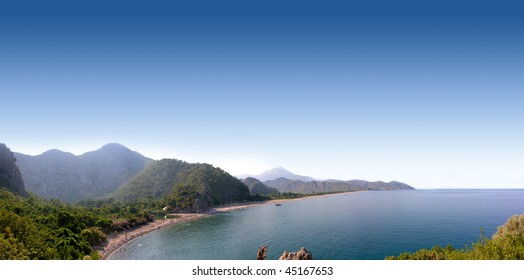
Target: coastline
<point x="115" y="242"/>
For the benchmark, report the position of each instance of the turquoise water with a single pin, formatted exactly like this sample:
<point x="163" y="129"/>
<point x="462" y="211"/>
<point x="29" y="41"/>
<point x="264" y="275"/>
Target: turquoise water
<point x="357" y="226"/>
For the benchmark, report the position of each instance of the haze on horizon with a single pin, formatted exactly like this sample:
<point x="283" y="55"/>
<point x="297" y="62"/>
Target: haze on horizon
<point x="426" y="94"/>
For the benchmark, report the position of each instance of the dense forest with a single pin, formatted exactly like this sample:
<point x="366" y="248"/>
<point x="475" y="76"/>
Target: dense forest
<point x="506" y="244"/>
<point x="186" y="187"/>
<point x="39" y="229"/>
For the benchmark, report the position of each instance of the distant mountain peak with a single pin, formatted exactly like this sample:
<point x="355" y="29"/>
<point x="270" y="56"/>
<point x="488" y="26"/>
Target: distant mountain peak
<point x="281" y="172"/>
<point x="114" y="146"/>
<point x="54" y="152"/>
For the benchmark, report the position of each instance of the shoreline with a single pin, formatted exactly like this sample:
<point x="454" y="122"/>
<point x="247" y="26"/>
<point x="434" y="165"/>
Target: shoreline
<point x="115" y="242"/>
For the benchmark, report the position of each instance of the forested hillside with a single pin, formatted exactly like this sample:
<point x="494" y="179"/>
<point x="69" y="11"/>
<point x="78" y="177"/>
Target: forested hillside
<point x="184" y="186"/>
<point x="34" y="228"/>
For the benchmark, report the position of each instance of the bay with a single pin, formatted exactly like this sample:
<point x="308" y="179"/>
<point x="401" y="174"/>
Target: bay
<point x="352" y="226"/>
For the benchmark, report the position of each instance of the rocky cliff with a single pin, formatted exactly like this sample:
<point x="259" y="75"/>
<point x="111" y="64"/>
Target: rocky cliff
<point x="10" y="176"/>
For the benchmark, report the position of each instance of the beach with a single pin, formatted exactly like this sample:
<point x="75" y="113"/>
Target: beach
<point x="116" y="241"/>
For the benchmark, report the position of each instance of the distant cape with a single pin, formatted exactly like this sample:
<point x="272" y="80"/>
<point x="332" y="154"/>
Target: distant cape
<point x="285" y="181"/>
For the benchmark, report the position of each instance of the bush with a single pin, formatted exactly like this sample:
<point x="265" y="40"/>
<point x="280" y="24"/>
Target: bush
<point x="506" y="244"/>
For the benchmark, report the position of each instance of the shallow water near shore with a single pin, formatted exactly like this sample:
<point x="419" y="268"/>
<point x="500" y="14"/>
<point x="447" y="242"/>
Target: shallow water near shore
<point x="354" y="226"/>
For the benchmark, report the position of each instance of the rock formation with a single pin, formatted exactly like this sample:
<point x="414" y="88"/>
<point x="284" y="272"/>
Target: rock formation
<point x="10" y="176"/>
<point x="262" y="252"/>
<point x="303" y="254"/>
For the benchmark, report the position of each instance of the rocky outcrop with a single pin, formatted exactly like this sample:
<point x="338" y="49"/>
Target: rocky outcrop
<point x="303" y="254"/>
<point x="262" y="253"/>
<point x="10" y="176"/>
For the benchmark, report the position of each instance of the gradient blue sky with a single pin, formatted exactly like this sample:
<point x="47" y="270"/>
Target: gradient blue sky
<point x="427" y="93"/>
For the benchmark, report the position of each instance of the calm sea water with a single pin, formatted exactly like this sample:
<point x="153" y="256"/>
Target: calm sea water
<point x="357" y="226"/>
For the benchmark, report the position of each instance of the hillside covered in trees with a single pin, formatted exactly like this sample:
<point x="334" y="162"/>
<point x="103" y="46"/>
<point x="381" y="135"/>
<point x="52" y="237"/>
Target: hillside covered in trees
<point x="183" y="186"/>
<point x="39" y="229"/>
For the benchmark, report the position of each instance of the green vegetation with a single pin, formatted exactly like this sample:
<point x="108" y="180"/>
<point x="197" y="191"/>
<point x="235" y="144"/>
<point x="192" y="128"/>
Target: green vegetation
<point x="506" y="244"/>
<point x="34" y="228"/>
<point x="185" y="187"/>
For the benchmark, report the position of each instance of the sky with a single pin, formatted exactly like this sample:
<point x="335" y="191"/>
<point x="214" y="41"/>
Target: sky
<point x="429" y="93"/>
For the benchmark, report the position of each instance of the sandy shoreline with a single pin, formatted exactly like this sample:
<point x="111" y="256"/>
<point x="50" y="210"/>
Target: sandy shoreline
<point x="115" y="242"/>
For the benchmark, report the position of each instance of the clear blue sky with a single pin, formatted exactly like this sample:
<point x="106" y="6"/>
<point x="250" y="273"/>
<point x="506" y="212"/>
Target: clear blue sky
<point x="431" y="94"/>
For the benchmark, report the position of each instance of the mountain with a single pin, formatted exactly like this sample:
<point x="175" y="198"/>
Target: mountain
<point x="10" y="177"/>
<point x="278" y="172"/>
<point x="184" y="186"/>
<point x="257" y="187"/>
<point x="64" y="176"/>
<point x="298" y="186"/>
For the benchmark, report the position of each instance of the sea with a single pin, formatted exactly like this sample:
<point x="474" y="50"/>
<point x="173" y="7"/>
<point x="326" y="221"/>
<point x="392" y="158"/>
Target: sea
<point x="354" y="226"/>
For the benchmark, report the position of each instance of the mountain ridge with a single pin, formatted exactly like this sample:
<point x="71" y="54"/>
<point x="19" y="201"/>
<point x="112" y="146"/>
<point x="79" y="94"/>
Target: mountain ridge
<point x="297" y="186"/>
<point x="62" y="175"/>
<point x="285" y="181"/>
<point x="100" y="173"/>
